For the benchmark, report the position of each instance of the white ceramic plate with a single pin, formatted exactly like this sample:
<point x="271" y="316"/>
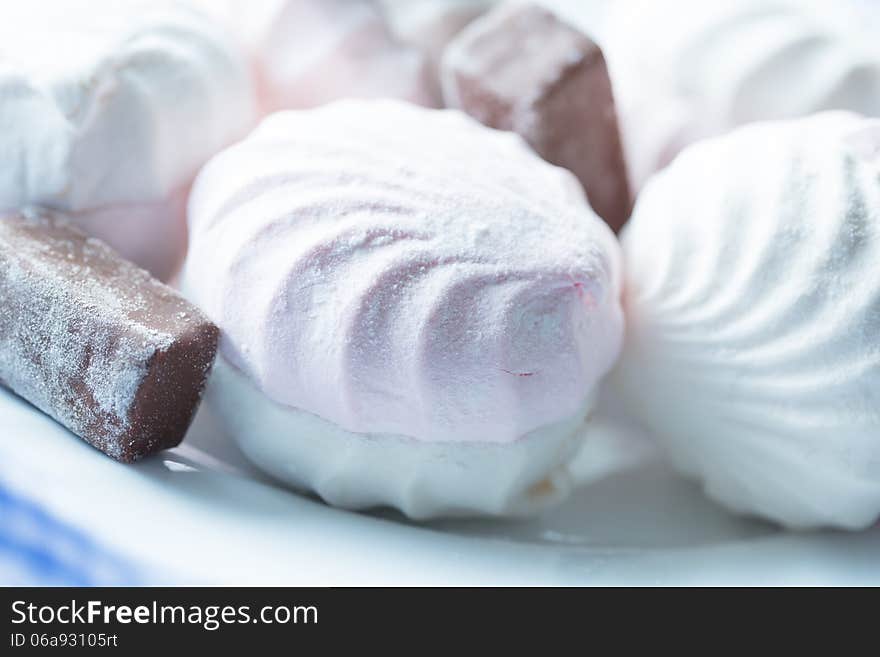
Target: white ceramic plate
<point x="200" y="514"/>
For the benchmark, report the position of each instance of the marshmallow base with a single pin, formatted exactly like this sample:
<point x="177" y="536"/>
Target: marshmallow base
<point x="423" y="480"/>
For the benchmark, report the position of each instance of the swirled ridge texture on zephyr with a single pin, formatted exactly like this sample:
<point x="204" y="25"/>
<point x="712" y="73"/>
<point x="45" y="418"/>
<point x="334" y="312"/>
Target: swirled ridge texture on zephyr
<point x="416" y="309"/>
<point x="684" y="69"/>
<point x="753" y="307"/>
<point x="405" y="271"/>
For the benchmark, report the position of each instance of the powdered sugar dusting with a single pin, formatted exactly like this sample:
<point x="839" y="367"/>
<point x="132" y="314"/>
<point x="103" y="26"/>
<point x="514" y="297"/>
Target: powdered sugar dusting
<point x="522" y="69"/>
<point x="753" y="293"/>
<point x="384" y="267"/>
<point x="543" y="47"/>
<point x="78" y="330"/>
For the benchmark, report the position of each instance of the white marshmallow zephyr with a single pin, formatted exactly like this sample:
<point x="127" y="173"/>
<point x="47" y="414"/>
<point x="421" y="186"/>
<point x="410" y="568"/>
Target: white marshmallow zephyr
<point x="686" y="69"/>
<point x="753" y="318"/>
<point x="416" y="310"/>
<point x="108" y="109"/>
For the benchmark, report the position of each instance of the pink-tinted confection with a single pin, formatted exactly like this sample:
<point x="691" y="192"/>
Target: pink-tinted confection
<point x="405" y="271"/>
<point x="416" y="309"/>
<point x="307" y="53"/>
<point x="152" y="235"/>
<point x="430" y="25"/>
<point x="520" y="68"/>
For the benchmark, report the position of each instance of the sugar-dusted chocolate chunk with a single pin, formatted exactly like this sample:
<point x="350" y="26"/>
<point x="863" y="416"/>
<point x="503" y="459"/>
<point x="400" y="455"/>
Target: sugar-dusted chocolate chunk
<point x="95" y="342"/>
<point x="520" y="68"/>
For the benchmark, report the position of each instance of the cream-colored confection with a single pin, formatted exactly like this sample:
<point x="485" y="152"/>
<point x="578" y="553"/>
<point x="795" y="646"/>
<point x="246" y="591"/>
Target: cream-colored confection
<point x="752" y="296"/>
<point x="685" y="69"/>
<point x="108" y="109"/>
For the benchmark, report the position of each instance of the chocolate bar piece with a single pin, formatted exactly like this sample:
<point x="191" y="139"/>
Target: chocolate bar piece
<point x="97" y="343"/>
<point x="519" y="68"/>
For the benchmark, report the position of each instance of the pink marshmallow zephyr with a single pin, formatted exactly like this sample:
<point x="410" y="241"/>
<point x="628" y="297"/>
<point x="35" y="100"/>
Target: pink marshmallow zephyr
<point x="306" y="53"/>
<point x="430" y="25"/>
<point x="416" y="310"/>
<point x="520" y="68"/>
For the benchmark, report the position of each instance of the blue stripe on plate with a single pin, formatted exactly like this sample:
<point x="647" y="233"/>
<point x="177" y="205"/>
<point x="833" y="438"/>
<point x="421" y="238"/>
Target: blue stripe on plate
<point x="38" y="549"/>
